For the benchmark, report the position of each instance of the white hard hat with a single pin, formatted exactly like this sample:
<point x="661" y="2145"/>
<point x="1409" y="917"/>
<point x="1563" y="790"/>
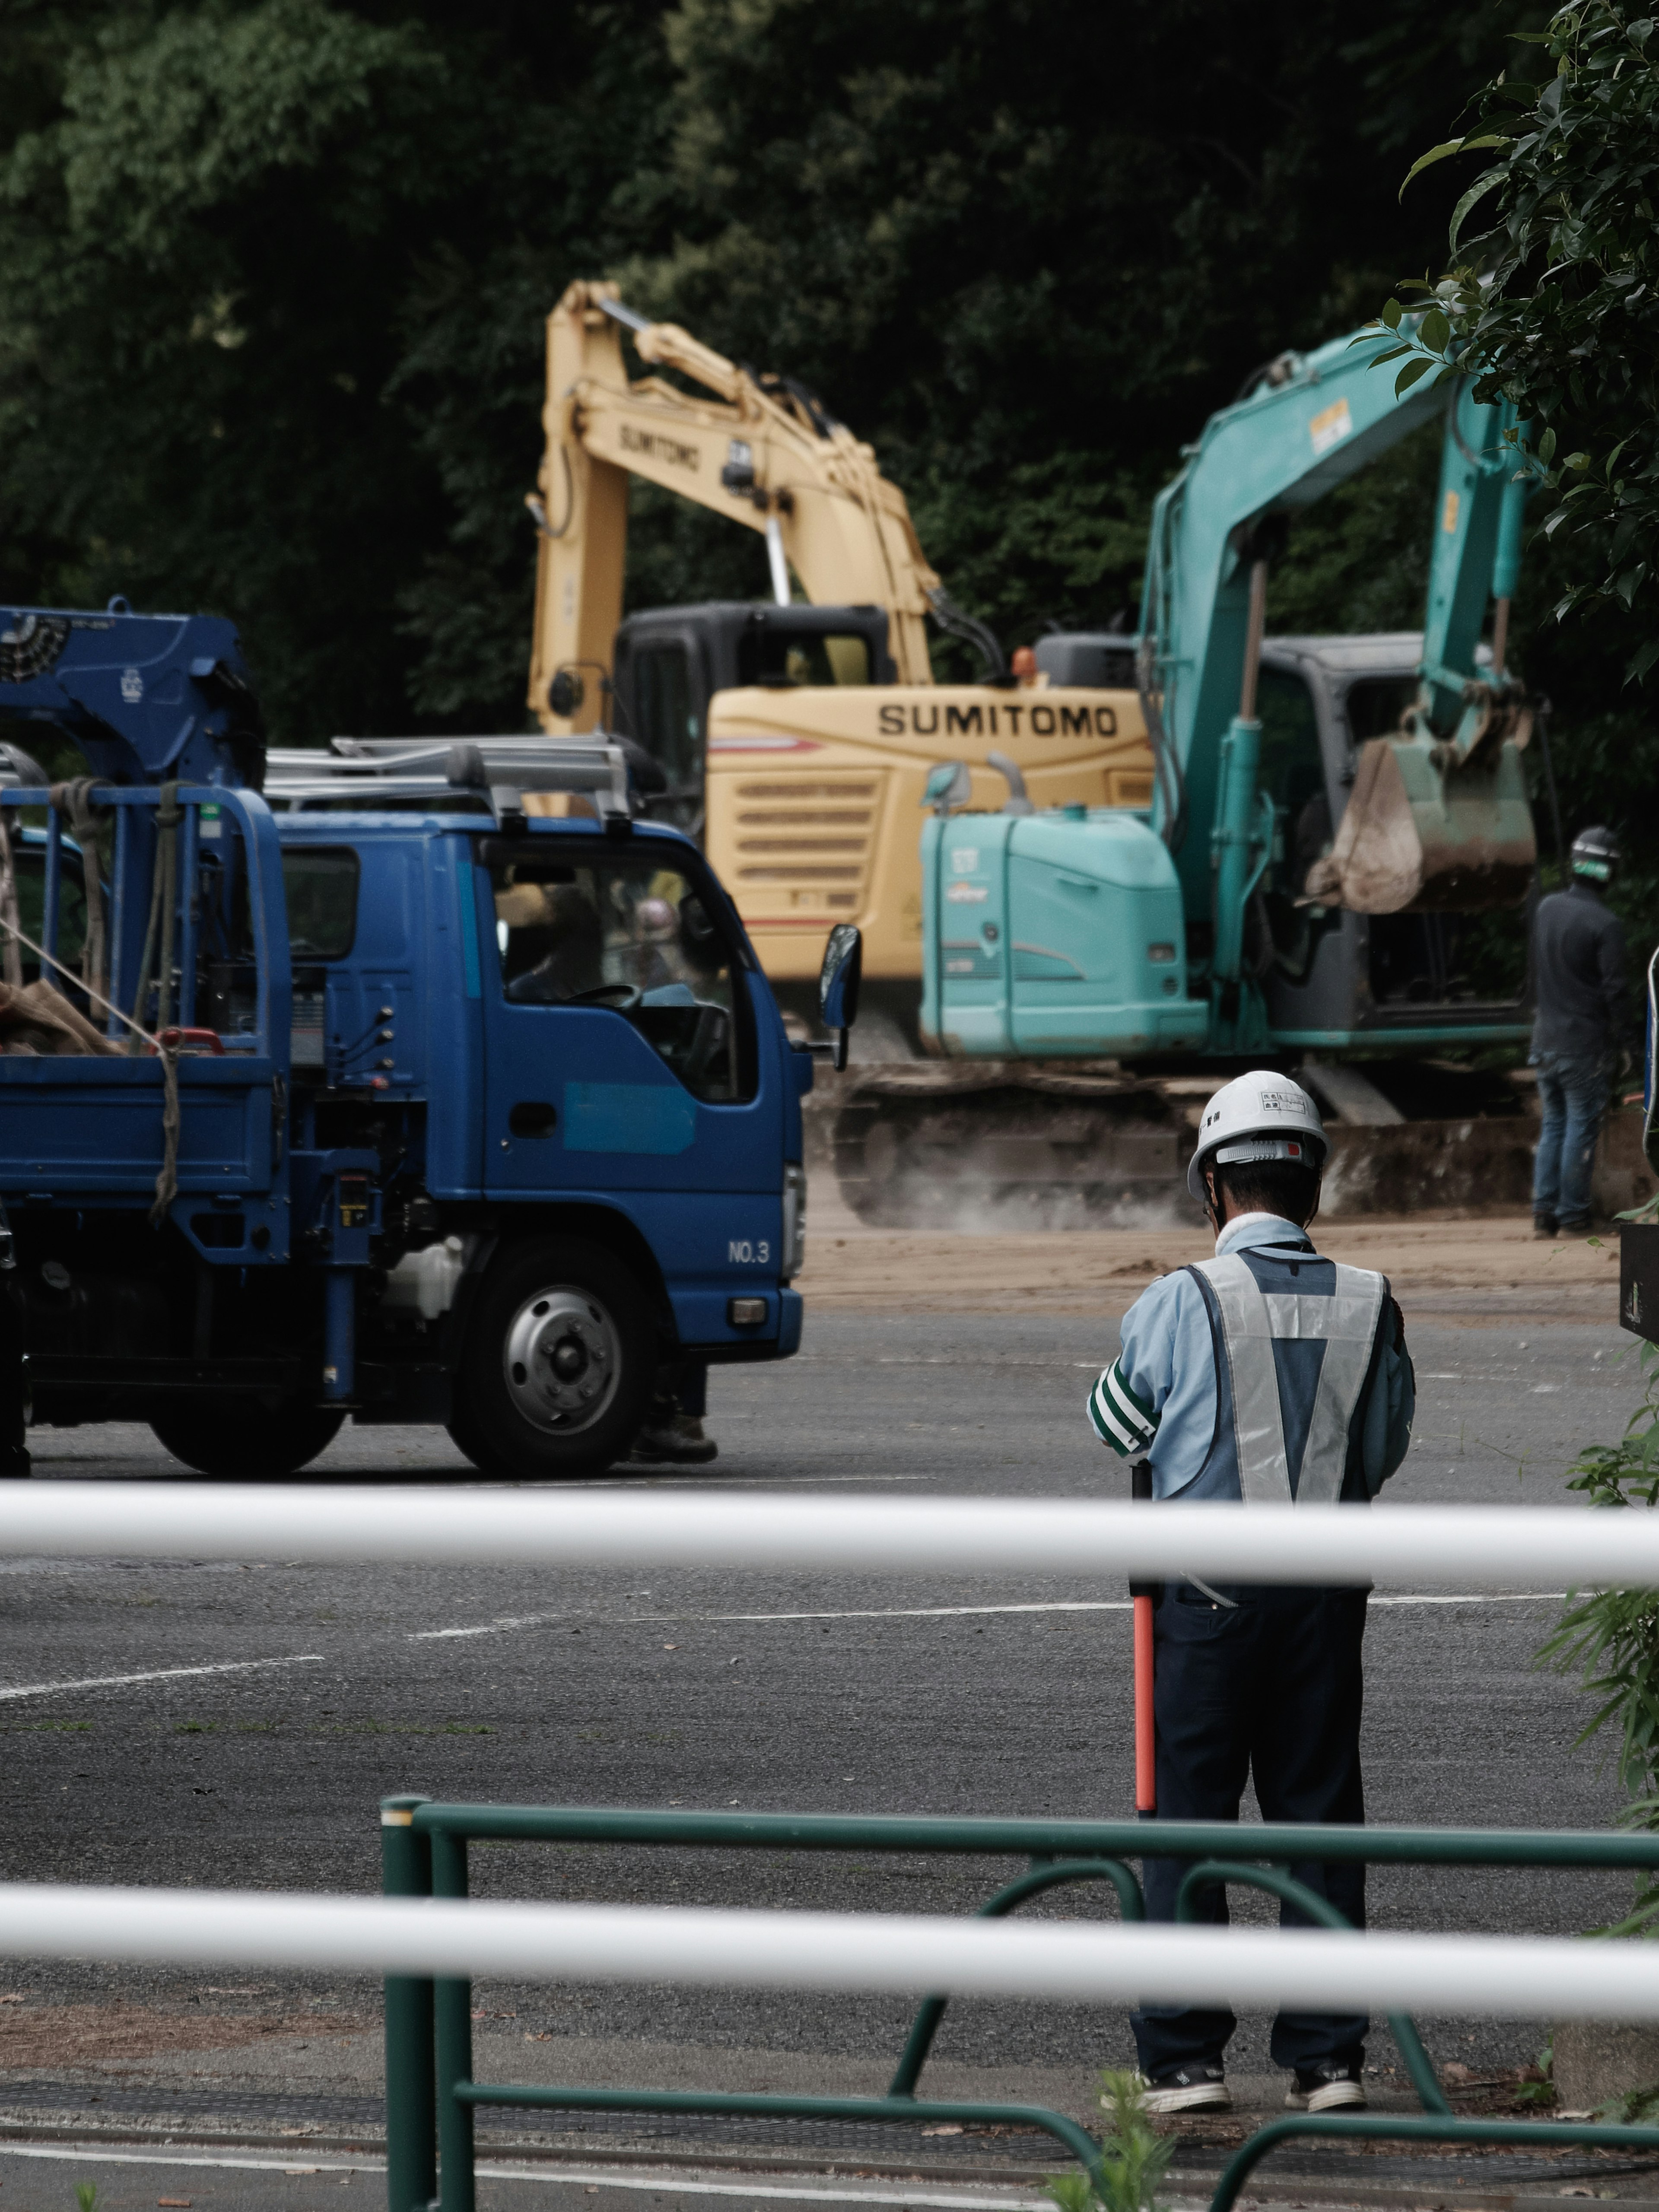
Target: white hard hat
<point x="1259" y="1116"/>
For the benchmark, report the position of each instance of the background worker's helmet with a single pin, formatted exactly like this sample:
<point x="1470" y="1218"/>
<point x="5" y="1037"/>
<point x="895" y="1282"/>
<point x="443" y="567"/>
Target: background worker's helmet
<point x="1259" y="1116"/>
<point x="1595" y="854"/>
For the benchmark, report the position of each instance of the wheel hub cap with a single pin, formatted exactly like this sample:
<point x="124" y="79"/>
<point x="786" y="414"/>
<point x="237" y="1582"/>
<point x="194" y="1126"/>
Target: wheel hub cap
<point x="563" y="1359"/>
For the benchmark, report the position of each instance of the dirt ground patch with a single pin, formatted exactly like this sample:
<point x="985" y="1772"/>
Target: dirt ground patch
<point x="1433" y="1258"/>
<point x="33" y="2034"/>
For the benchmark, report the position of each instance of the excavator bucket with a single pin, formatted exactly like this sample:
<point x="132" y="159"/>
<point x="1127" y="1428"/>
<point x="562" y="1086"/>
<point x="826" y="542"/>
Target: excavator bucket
<point x="1424" y="837"/>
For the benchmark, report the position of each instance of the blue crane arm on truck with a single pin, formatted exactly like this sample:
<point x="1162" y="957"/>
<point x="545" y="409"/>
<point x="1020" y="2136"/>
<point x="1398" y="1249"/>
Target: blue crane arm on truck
<point x="1203" y="926"/>
<point x="482" y="1115"/>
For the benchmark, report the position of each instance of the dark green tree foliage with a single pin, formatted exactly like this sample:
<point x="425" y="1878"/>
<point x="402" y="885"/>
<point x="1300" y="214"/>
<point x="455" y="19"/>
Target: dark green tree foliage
<point x="197" y="332"/>
<point x="1025" y="249"/>
<point x="1554" y="303"/>
<point x="273" y="275"/>
<point x="273" y="279"/>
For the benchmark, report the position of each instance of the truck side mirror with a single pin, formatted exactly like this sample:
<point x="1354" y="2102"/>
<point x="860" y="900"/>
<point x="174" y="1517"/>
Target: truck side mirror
<point x="948" y="789"/>
<point x="838" y="985"/>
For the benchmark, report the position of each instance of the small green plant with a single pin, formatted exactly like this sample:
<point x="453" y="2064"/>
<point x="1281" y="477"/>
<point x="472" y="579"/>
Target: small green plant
<point x="1541" y="2092"/>
<point x="86" y="2195"/>
<point x="1612" y="1636"/>
<point x="1632" y="2106"/>
<point x="1134" y="2156"/>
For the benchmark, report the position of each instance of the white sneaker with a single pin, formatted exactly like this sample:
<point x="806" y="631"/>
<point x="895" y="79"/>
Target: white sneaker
<point x="1326" y="2089"/>
<point x="1191" y="2089"/>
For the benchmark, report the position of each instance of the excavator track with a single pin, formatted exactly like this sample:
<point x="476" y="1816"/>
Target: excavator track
<point x="1007" y="1143"/>
<point x="1001" y="1146"/>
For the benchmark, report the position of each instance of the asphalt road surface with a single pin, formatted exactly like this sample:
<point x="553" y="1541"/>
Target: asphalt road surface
<point x="236" y="1725"/>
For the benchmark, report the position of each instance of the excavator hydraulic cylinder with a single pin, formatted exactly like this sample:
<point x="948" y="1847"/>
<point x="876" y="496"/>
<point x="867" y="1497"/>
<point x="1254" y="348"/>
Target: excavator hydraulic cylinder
<point x="1231" y="842"/>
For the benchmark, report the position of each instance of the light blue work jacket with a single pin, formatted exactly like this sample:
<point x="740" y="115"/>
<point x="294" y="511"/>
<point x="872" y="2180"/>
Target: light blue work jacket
<point x="1269" y="1373"/>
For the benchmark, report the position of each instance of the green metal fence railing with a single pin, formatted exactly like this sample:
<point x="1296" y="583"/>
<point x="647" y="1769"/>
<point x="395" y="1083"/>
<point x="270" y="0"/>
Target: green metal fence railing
<point x="431" y="2095"/>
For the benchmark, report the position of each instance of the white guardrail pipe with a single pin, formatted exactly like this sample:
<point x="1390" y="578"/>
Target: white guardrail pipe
<point x="1489" y="1546"/>
<point x="1310" y="1969"/>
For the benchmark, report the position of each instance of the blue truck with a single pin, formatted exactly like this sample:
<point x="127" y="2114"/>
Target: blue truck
<point x="423" y="1083"/>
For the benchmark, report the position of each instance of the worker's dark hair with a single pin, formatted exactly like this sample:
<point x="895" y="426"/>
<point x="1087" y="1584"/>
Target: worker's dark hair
<point x="1286" y="1188"/>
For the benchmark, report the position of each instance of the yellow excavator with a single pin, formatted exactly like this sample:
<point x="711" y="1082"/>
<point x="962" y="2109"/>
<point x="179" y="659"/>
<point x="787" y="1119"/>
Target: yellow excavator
<point x="796" y="738"/>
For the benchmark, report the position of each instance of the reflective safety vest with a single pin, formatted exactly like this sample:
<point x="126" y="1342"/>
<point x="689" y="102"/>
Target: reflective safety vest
<point x="1284" y="1416"/>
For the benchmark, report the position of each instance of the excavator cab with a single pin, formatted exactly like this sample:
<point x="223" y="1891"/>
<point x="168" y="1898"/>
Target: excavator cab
<point x="1326" y="969"/>
<point x="669" y="662"/>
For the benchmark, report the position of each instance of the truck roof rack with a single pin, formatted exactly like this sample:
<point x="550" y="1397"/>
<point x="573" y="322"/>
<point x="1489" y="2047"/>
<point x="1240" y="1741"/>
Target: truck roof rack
<point x="498" y="771"/>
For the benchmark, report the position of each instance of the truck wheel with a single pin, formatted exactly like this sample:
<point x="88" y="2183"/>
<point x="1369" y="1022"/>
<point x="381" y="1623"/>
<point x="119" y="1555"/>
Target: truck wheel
<point x="243" y="1442"/>
<point x="558" y="1363"/>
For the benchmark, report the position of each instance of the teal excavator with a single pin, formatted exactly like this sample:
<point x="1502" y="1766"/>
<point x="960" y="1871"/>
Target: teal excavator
<point x="1328" y="811"/>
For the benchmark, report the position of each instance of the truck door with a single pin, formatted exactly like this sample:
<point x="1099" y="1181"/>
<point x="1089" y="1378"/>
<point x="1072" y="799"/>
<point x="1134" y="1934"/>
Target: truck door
<point x="621" y="1041"/>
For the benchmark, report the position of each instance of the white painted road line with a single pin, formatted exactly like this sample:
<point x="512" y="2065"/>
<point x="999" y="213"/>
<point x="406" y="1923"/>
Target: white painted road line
<point x="508" y="1624"/>
<point x="662" y="2182"/>
<point x="156" y="1674"/>
<point x="1478" y="1597"/>
<point x="767" y="2191"/>
<point x="98" y="2155"/>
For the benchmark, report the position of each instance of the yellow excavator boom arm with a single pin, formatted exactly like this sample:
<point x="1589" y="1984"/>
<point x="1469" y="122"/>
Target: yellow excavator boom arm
<point x="764" y="454"/>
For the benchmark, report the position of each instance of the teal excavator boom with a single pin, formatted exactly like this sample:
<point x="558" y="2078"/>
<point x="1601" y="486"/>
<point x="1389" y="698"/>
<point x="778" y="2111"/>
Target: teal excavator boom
<point x="1232" y="919"/>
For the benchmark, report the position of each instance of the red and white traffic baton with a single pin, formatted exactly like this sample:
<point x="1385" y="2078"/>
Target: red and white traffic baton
<point x="1143" y="1596"/>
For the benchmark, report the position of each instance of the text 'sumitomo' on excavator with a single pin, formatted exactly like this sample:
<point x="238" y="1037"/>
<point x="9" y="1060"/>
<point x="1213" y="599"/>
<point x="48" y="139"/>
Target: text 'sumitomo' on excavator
<point x="1327" y="809"/>
<point x="796" y="738"/>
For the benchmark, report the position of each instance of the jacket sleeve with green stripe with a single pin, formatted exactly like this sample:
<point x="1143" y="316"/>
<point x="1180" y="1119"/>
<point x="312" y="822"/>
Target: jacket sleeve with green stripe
<point x="1158" y="1396"/>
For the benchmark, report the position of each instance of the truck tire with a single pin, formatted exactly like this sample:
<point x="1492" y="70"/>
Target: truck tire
<point x="243" y="1442"/>
<point x="558" y="1366"/>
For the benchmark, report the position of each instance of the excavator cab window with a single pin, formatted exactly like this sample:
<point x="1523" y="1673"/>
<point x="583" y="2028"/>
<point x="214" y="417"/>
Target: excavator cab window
<point x="1293" y="774"/>
<point x="1376" y="705"/>
<point x="666" y="717"/>
<point x="777" y="658"/>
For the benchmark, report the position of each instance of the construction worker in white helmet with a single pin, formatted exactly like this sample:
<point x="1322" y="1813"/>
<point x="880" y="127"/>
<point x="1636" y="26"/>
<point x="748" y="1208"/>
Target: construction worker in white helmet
<point x="1265" y="1375"/>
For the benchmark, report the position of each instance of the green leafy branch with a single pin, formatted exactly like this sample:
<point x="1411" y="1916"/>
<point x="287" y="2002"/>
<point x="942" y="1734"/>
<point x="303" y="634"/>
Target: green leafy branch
<point x="1555" y="304"/>
<point x="1611" y="1638"/>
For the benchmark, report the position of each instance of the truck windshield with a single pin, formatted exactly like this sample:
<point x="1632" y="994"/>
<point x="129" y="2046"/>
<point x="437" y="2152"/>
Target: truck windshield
<point x="622" y="932"/>
<point x="321" y="883"/>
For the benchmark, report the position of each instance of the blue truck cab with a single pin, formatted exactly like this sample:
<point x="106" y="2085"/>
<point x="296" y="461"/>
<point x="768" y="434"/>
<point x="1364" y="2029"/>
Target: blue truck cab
<point x="485" y="1114"/>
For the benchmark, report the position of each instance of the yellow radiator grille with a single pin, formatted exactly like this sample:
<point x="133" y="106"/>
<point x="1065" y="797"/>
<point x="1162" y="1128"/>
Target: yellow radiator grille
<point x="803" y="846"/>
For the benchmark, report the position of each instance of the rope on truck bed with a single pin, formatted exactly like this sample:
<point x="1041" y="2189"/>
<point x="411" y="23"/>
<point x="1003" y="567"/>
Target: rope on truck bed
<point x="167" y="1180"/>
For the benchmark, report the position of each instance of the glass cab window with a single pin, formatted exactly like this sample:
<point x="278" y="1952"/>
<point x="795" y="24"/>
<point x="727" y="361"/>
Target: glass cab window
<point x="622" y="932"/>
<point x="321" y="884"/>
<point x="807" y="659"/>
<point x="1292" y="771"/>
<point x="1376" y="705"/>
<point x="668" y="725"/>
<point x="1293" y="774"/>
<point x="30" y="862"/>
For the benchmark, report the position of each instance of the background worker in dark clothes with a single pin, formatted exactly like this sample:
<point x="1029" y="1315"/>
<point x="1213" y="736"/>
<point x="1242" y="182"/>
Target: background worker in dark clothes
<point x="1265" y="1375"/>
<point x="1582" y="1025"/>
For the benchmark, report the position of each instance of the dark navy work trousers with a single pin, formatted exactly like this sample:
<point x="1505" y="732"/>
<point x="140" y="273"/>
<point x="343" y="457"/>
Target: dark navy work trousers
<point x="1270" y="1690"/>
